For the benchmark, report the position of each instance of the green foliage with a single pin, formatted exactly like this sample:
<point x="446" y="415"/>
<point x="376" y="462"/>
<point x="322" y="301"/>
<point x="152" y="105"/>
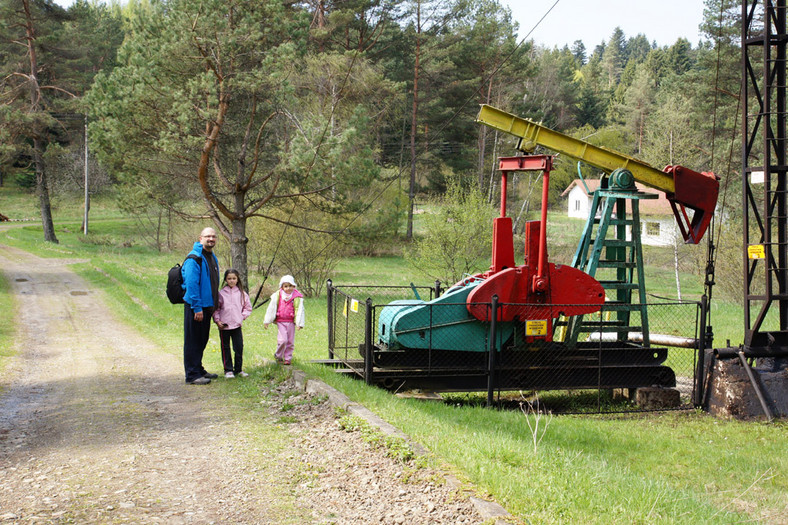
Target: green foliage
<point x="457" y="238"/>
<point x="670" y="137"/>
<point x="376" y="229"/>
<point x="43" y="67"/>
<point x="551" y="95"/>
<point x="309" y="253"/>
<point x="7" y="330"/>
<point x="26" y="180"/>
<point x="221" y="105"/>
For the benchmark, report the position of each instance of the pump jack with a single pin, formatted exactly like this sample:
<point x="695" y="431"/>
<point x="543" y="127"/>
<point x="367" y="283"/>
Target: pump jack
<point x="441" y="344"/>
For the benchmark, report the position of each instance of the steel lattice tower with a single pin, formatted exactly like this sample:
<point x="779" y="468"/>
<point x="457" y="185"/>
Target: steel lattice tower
<point x="764" y="146"/>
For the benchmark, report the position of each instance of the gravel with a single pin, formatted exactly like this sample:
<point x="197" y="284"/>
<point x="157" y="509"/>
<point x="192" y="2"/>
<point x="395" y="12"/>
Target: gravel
<point x="96" y="425"/>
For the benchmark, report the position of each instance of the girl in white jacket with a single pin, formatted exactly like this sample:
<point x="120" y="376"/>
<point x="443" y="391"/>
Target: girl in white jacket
<point x="286" y="309"/>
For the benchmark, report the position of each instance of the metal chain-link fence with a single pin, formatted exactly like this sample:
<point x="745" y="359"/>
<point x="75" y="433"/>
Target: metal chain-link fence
<point x="616" y="359"/>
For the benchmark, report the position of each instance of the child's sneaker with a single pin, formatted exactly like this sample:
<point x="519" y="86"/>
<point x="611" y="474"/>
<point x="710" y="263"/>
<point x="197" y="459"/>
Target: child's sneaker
<point x="229" y="375"/>
<point x="243" y="374"/>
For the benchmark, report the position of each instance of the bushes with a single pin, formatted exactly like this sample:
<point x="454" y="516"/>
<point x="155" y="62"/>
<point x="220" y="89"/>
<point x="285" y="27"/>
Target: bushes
<point x="457" y="238"/>
<point x="309" y="255"/>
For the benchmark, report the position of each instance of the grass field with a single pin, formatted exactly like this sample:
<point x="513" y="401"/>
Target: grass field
<point x="683" y="467"/>
<point x="7" y="310"/>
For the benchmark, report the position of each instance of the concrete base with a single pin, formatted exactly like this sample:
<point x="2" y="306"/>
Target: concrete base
<point x="731" y="394"/>
<point x="655" y="398"/>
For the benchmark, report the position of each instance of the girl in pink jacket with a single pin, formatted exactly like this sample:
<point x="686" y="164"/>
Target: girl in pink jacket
<point x="234" y="307"/>
<point x="286" y="309"/>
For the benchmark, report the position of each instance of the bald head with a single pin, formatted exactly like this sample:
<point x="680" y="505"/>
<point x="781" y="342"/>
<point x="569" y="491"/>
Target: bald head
<point x="208" y="239"/>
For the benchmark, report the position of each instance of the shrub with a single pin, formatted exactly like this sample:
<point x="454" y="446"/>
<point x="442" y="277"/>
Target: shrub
<point x="309" y="255"/>
<point x="458" y="235"/>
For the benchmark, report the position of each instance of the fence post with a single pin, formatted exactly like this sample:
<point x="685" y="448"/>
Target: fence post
<point x="368" y="342"/>
<point x="491" y="361"/>
<point x="699" y="370"/>
<point x="330" y="317"/>
<point x="437" y="288"/>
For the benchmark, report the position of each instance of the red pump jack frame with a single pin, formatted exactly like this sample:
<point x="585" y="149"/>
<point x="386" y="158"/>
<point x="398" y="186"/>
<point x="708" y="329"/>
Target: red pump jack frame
<point x="536" y="292"/>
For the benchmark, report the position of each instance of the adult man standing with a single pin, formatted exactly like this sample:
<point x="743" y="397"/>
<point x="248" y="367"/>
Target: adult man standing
<point x="201" y="282"/>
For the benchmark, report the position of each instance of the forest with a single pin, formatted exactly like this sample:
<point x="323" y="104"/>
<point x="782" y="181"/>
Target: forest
<point x="334" y="121"/>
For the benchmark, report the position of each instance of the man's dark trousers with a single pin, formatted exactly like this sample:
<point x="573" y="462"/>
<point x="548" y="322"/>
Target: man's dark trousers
<point x="195" y="339"/>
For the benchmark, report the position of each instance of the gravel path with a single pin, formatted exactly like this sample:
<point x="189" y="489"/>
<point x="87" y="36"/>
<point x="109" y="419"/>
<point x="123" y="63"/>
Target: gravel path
<point x="96" y="425"/>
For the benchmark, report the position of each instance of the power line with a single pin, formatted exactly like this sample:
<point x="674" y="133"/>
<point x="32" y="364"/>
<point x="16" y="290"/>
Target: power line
<point x="451" y="119"/>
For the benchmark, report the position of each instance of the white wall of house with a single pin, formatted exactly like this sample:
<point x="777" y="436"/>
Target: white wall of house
<point x="578" y="203"/>
<point x="655" y="230"/>
<point x="658" y="231"/>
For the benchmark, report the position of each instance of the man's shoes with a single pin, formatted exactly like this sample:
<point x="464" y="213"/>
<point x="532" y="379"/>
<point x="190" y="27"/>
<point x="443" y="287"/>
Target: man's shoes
<point x="242" y="374"/>
<point x="209" y="375"/>
<point x="287" y="362"/>
<point x="199" y="381"/>
<point x="229" y="375"/>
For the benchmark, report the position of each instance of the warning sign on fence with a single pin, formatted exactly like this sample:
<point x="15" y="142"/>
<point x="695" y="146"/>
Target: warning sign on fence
<point x="353" y="306"/>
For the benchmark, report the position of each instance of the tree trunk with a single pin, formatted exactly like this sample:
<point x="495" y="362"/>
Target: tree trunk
<point x="413" y="121"/>
<point x="483" y="139"/>
<point x="42" y="191"/>
<point x="238" y="255"/>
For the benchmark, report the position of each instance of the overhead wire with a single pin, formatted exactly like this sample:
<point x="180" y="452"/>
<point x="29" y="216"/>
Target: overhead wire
<point x="456" y="113"/>
<point x="308" y="171"/>
<point x="712" y="246"/>
<point x="311" y="165"/>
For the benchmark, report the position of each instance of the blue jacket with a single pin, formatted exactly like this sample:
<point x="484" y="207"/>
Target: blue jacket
<point x="197" y="281"/>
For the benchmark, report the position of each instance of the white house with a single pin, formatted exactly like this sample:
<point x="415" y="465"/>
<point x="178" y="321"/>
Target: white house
<point x="657" y="224"/>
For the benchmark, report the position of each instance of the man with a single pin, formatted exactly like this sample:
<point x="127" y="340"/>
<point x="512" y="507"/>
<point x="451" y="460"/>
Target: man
<point x="201" y="282"/>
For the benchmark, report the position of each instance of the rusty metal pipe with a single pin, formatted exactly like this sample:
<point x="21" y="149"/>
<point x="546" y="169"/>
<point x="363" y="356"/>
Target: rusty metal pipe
<point x="665" y="340"/>
<point x="733" y="353"/>
<point x="756" y="387"/>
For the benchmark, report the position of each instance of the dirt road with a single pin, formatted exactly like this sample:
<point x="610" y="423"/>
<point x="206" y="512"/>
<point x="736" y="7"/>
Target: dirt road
<point x="97" y="425"/>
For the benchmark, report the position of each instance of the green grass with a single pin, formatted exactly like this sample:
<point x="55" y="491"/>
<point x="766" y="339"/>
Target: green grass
<point x="683" y="467"/>
<point x="7" y="327"/>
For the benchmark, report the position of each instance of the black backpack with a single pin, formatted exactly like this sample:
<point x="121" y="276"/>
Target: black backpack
<point x="175" y="289"/>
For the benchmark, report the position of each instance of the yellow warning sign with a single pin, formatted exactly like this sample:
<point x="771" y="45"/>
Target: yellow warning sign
<point x="756" y="251"/>
<point x="536" y="328"/>
<point x="350" y="307"/>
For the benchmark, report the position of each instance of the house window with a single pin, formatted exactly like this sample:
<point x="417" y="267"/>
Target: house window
<point x="652" y="229"/>
<point x="577" y="205"/>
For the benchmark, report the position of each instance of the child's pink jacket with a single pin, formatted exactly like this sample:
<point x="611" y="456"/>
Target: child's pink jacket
<point x="296" y="303"/>
<point x="234" y="307"/>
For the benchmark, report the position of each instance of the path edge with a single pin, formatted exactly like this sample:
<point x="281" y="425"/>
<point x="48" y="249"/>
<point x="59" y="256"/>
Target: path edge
<point x="488" y="510"/>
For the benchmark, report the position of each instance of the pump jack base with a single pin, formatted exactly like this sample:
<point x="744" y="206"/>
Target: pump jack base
<point x="551" y="367"/>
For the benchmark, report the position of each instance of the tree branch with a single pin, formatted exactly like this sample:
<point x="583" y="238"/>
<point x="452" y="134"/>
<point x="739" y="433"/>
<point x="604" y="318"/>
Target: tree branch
<point x="299" y="226"/>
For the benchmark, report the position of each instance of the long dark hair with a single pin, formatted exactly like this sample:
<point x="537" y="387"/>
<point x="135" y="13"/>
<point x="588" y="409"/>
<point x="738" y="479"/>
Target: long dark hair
<point x="227" y="272"/>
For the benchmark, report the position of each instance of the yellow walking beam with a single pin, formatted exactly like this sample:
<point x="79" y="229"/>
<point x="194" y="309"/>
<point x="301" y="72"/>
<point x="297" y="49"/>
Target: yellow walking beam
<point x="532" y="134"/>
<point x="684" y="188"/>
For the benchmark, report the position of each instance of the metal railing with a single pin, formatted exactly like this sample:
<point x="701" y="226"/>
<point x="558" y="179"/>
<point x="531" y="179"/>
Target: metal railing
<point x="444" y="349"/>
